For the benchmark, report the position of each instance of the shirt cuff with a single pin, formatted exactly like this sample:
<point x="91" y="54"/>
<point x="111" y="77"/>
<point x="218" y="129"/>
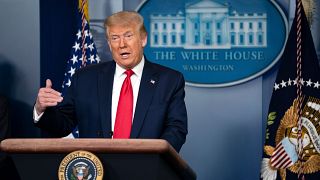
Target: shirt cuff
<point x="36" y="117"/>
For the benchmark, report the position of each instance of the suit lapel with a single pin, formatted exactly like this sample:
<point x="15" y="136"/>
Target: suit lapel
<point x="148" y="85"/>
<point x="105" y="84"/>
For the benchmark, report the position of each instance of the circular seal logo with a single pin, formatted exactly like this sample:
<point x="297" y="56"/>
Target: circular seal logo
<point x="215" y="43"/>
<point x="80" y="165"/>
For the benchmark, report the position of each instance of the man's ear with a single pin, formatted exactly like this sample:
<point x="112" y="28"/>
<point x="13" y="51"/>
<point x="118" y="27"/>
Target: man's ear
<point x="144" y="40"/>
<point x="108" y="43"/>
<point x="107" y="39"/>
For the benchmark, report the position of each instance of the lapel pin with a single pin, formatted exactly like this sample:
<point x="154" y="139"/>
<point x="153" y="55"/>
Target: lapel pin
<point x="152" y="81"/>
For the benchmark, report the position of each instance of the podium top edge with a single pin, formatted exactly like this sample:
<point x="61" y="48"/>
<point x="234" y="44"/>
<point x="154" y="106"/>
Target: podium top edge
<point x="65" y="145"/>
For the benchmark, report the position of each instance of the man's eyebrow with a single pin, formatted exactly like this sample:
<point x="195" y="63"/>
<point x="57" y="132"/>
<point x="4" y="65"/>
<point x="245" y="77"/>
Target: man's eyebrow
<point x="128" y="32"/>
<point x="114" y="34"/>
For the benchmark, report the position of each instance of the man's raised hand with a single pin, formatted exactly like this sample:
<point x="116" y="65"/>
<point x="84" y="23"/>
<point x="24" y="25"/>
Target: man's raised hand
<point x="47" y="97"/>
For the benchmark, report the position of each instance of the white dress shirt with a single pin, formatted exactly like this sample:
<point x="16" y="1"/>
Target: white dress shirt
<point x="119" y="77"/>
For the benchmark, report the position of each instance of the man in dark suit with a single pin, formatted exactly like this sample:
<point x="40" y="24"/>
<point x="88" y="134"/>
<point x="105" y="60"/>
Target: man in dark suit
<point x="4" y="118"/>
<point x="4" y="130"/>
<point x="156" y="106"/>
<point x="7" y="167"/>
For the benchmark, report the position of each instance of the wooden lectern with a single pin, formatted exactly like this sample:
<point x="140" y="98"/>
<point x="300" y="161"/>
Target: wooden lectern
<point x="129" y="159"/>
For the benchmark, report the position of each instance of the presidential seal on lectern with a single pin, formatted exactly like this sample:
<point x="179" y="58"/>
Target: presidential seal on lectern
<point x="80" y="165"/>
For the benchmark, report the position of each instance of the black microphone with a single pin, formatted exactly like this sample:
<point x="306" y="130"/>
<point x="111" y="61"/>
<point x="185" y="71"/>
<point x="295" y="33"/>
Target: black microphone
<point x="111" y="134"/>
<point x="100" y="133"/>
<point x="105" y="134"/>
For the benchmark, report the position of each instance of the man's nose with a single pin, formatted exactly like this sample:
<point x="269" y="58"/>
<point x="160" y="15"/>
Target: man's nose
<point x="123" y="42"/>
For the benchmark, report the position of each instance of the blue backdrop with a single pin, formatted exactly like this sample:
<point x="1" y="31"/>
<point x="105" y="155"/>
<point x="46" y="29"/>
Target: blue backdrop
<point x="226" y="125"/>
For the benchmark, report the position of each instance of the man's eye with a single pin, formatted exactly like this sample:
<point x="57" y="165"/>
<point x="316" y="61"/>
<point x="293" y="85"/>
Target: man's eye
<point x="128" y="36"/>
<point x="114" y="38"/>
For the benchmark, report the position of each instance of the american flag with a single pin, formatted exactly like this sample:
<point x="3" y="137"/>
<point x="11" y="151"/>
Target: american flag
<point x="289" y="151"/>
<point x="83" y="52"/>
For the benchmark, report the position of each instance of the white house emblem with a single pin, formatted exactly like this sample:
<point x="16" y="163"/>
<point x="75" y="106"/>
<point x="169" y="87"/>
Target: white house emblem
<point x="215" y="42"/>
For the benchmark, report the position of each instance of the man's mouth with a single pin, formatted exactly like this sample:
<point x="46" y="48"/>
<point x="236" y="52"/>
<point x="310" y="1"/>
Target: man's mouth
<point x="124" y="54"/>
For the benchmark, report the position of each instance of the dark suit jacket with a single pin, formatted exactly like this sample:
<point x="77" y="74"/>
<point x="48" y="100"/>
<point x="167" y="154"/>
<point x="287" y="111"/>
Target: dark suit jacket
<point x="7" y="167"/>
<point x="4" y="119"/>
<point x="160" y="110"/>
<point x="4" y="127"/>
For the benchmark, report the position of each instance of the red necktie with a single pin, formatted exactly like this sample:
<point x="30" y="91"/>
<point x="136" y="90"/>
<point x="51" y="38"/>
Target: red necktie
<point x="122" y="127"/>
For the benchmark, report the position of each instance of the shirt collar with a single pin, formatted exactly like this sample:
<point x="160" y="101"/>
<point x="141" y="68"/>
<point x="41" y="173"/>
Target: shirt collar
<point x="137" y="69"/>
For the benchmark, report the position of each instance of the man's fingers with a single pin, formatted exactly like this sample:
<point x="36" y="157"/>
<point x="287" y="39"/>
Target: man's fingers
<point x="51" y="91"/>
<point x="48" y="83"/>
<point x="50" y="98"/>
<point x="47" y="102"/>
<point x="42" y="103"/>
<point x="47" y="97"/>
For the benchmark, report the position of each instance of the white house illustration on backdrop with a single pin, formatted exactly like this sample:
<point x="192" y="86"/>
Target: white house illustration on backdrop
<point x="208" y="25"/>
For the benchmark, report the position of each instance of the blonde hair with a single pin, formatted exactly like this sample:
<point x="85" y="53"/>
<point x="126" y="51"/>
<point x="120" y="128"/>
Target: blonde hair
<point x="124" y="19"/>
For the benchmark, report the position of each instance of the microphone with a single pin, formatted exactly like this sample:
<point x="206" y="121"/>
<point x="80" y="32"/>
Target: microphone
<point x="103" y="134"/>
<point x="111" y="134"/>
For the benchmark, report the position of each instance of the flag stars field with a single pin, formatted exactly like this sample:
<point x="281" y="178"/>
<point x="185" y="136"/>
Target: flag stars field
<point x="68" y="83"/>
<point x="92" y="58"/>
<point x="309" y="83"/>
<point x="288" y="83"/>
<point x="76" y="46"/>
<point x="283" y="84"/>
<point x="91" y="47"/>
<point x="72" y="71"/>
<point x="79" y="34"/>
<point x="74" y="59"/>
<point x="98" y="59"/>
<point x="86" y="33"/>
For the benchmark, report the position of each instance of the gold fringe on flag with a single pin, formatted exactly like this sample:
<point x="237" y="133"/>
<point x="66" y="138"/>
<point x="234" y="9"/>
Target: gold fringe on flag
<point x="309" y="8"/>
<point x="84" y="4"/>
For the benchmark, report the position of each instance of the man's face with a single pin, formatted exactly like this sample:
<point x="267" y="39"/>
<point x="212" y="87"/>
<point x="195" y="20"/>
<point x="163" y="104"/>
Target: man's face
<point x="126" y="45"/>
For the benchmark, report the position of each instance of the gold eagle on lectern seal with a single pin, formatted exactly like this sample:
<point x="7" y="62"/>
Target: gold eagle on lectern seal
<point x="285" y="155"/>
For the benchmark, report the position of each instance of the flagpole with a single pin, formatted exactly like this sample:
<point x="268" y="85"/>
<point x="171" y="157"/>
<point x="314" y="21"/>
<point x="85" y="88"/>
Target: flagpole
<point x="84" y="21"/>
<point x="299" y="86"/>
